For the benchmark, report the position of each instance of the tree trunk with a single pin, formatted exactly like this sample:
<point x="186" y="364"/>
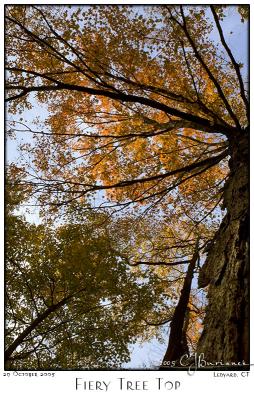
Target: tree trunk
<point x="226" y="270"/>
<point x="177" y="344"/>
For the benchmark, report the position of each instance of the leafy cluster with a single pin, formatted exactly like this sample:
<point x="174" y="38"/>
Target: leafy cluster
<point x="138" y="106"/>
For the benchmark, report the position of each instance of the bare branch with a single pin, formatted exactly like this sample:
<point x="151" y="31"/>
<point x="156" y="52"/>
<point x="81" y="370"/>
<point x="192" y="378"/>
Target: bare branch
<point x="205" y="66"/>
<point x="230" y="54"/>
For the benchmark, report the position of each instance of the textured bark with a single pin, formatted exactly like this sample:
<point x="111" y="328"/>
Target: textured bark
<point x="177" y="344"/>
<point x="226" y="270"/>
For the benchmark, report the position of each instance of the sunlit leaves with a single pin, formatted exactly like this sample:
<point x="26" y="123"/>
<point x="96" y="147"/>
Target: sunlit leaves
<point x="140" y="104"/>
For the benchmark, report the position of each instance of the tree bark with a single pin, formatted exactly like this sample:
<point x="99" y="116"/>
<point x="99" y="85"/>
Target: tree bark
<point x="226" y="325"/>
<point x="177" y="344"/>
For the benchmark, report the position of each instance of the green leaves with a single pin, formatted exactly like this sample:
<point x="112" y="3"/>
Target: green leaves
<point x="71" y="301"/>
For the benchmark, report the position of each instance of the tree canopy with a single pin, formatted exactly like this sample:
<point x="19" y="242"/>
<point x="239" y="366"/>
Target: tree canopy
<point x="71" y="301"/>
<point x="142" y="112"/>
<point x="120" y="113"/>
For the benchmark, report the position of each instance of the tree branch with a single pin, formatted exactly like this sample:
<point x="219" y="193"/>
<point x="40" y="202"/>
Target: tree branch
<point x="208" y="71"/>
<point x="134" y="264"/>
<point x="235" y="64"/>
<point x="41" y="317"/>
<point x="207" y="125"/>
<point x="209" y="162"/>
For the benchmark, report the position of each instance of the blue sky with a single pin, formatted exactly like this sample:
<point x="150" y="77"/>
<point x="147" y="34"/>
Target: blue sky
<point x="151" y="352"/>
<point x="236" y="34"/>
